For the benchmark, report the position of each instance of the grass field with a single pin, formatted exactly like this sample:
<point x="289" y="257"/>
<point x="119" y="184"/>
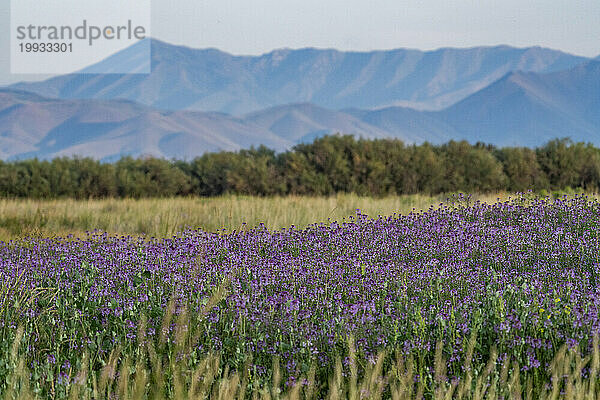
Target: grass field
<point x="490" y="299"/>
<point x="166" y="217"/>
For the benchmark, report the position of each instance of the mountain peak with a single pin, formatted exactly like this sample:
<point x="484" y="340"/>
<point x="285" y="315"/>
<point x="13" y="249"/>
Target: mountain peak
<point x="526" y="108"/>
<point x="183" y="78"/>
<point x="521" y="108"/>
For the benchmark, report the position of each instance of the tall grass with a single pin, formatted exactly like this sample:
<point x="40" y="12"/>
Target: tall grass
<point x="165" y="217"/>
<point x="157" y="370"/>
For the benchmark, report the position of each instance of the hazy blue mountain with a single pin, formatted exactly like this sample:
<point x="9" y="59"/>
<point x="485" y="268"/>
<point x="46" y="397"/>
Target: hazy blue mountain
<point x="520" y="108"/>
<point x="300" y="123"/>
<point x="32" y="126"/>
<point x="529" y="109"/>
<point x="211" y="80"/>
<point x="136" y="59"/>
<point x="411" y="125"/>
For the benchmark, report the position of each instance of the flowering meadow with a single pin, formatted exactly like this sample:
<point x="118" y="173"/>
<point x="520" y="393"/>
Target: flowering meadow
<point x="461" y="290"/>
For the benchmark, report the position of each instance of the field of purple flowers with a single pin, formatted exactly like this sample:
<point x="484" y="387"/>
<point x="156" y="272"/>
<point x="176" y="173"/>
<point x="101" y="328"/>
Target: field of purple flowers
<point x="522" y="276"/>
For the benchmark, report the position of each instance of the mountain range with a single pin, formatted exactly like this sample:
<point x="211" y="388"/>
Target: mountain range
<point x="499" y="95"/>
<point x="35" y="126"/>
<point x="528" y="109"/>
<point x="211" y="80"/>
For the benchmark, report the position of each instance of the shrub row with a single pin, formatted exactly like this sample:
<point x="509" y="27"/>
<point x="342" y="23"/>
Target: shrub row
<point x="329" y="165"/>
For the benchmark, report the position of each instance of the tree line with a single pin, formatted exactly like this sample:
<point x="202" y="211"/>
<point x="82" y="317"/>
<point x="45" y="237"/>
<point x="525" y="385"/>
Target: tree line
<point x="327" y="166"/>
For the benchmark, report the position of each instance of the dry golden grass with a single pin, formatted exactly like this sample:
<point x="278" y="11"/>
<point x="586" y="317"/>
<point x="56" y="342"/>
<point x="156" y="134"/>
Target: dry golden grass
<point x="166" y="217"/>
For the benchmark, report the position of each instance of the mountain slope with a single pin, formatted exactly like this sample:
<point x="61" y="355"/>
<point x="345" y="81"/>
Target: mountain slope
<point x="211" y="80"/>
<point x="521" y="108"/>
<point x="32" y="126"/>
<point x="528" y="109"/>
<point x="414" y="126"/>
<point x="305" y="122"/>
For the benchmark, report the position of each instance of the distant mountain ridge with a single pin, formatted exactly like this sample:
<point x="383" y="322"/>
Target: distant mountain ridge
<point x="211" y="80"/>
<point x="527" y="109"/>
<point x="33" y="126"/>
<point x="521" y="108"/>
<point x="106" y="116"/>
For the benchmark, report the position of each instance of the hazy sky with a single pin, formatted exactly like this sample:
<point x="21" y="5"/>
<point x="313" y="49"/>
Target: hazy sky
<point x="258" y="26"/>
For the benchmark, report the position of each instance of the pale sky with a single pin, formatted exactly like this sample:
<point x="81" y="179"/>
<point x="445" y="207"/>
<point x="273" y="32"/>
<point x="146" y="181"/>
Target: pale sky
<point x="259" y="26"/>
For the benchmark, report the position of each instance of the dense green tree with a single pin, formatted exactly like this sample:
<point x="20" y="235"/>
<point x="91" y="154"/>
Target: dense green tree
<point x="150" y="177"/>
<point x="255" y="173"/>
<point x="330" y="156"/>
<point x="301" y="177"/>
<point x="423" y="171"/>
<point x="328" y="165"/>
<point x="522" y="169"/>
<point x="568" y="164"/>
<point x="209" y="173"/>
<point x="470" y="168"/>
